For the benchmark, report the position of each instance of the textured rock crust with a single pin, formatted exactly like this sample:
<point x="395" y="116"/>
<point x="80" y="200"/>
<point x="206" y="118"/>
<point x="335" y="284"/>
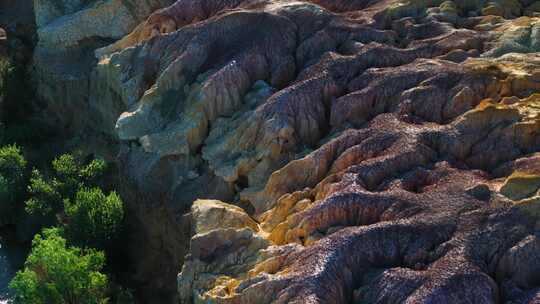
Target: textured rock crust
<point x="382" y="151"/>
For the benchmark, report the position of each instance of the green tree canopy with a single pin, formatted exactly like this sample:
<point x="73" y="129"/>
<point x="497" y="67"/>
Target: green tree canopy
<point x="94" y="219"/>
<point x="13" y="166"/>
<point x="12" y="181"/>
<point x="45" y="198"/>
<point x="55" y="273"/>
<point x="72" y="173"/>
<point x="69" y="174"/>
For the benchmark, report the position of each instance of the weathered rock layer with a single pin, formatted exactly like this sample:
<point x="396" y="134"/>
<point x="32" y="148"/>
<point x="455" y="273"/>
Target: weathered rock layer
<point x="382" y="151"/>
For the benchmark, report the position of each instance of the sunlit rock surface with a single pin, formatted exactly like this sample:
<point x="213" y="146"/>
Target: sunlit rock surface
<point x="279" y="151"/>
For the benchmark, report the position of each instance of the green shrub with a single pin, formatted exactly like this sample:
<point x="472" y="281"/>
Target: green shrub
<point x="13" y="166"/>
<point x="70" y="198"/>
<point x="69" y="174"/>
<point x="94" y="219"/>
<point x="45" y="198"/>
<point x="66" y="170"/>
<point x="12" y="182"/>
<point x="74" y="174"/>
<point x="56" y="273"/>
<point x="94" y="170"/>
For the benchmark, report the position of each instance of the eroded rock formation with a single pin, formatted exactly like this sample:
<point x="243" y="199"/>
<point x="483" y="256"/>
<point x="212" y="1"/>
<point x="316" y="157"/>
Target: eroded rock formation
<point x="68" y="33"/>
<point x="380" y="151"/>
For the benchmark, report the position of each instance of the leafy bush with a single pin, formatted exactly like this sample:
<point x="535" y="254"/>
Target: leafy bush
<point x="48" y="195"/>
<point x="13" y="166"/>
<point x="56" y="273"/>
<point x="67" y="169"/>
<point x="93" y="218"/>
<point x="74" y="174"/>
<point x="94" y="170"/>
<point x="12" y="181"/>
<point x="45" y="198"/>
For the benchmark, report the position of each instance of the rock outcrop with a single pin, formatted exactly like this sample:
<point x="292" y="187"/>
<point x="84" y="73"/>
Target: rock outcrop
<point x="370" y="151"/>
<point x="68" y="34"/>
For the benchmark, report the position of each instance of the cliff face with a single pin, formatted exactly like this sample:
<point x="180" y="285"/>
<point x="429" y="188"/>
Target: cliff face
<point x="381" y="151"/>
<point x="68" y="33"/>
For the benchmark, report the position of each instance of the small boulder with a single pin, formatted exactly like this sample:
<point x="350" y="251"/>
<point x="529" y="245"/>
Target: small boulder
<point x="519" y="186"/>
<point x="209" y="215"/>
